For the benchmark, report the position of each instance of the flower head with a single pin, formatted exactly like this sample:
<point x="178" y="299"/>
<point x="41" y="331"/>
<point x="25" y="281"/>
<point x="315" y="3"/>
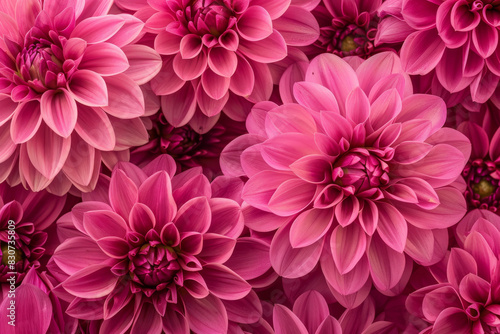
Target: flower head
<point x="155" y="253"/>
<point x="357" y="163"/>
<point x="69" y="80"/>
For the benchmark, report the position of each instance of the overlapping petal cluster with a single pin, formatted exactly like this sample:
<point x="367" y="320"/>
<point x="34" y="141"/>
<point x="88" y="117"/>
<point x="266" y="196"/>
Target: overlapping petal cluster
<point x="155" y="247"/>
<point x="69" y="91"/>
<point x="216" y="52"/>
<point x="356" y="171"/>
<point x="457" y="38"/>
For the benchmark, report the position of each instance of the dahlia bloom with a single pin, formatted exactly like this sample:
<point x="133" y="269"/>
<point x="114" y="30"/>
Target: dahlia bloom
<point x="457" y="38"/>
<point x="348" y="27"/>
<point x="69" y="91"/>
<point x="215" y="53"/>
<point x="359" y="165"/>
<point x="188" y="147"/>
<point x="467" y="299"/>
<point x="154" y="252"/>
<point x="31" y="214"/>
<point x="482" y="172"/>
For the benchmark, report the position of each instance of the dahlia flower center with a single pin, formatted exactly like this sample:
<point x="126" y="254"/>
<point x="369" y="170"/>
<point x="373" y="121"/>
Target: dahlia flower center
<point x="208" y="17"/>
<point x="482" y="184"/>
<point x="178" y="141"/>
<point x="348" y="44"/>
<point x="361" y="170"/>
<point x="6" y="252"/>
<point x="153" y="265"/>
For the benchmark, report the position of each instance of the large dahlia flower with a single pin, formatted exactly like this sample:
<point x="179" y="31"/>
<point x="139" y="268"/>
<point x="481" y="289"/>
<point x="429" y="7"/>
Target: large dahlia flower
<point x="467" y="298"/>
<point x="69" y="91"/>
<point x="358" y="164"/>
<point x="457" y="38"/>
<point x="154" y="252"/>
<point x="215" y="53"/>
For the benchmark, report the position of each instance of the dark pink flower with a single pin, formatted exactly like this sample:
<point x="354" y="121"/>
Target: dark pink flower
<point x="154" y="252"/>
<point x="354" y="169"/>
<point x="467" y="299"/>
<point x="69" y="91"/>
<point x="216" y="53"/>
<point x="457" y="38"/>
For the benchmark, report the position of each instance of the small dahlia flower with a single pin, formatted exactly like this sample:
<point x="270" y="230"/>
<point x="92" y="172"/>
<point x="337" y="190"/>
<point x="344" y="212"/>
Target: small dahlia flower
<point x="154" y="253"/>
<point x="357" y="172"/>
<point x="348" y="27"/>
<point x="457" y="38"/>
<point x="482" y="172"/>
<point x="26" y="216"/>
<point x="69" y="91"/>
<point x="467" y="299"/>
<point x="215" y="53"/>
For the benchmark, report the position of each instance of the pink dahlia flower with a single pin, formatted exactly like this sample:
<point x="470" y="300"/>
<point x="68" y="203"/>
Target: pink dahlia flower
<point x="189" y="148"/>
<point x="348" y="27"/>
<point x="69" y="91"/>
<point x="154" y="252"/>
<point x="482" y="172"/>
<point x="467" y="298"/>
<point x="215" y="53"/>
<point x="359" y="165"/>
<point x="457" y="38"/>
<point x="30" y="214"/>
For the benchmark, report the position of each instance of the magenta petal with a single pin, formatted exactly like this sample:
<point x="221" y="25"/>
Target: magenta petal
<point x="422" y="51"/>
<point x="349" y="283"/>
<point x="250" y="258"/>
<point x="122" y="320"/>
<point x="474" y="289"/>
<point x="268" y="50"/>
<point x="126" y="100"/>
<point x="392" y="227"/>
<point x="291" y="197"/>
<point x="206" y="315"/>
<point x="190" y="46"/>
<point x="386" y="265"/>
<point x="148" y="321"/>
<point x="114" y="247"/>
<point x="189" y="69"/>
<point x="311" y="317"/>
<point x="123" y="194"/>
<point x="310" y="226"/>
<point x="223" y="62"/>
<point x="274" y="8"/>
<point x="217" y="249"/>
<point x="298" y="26"/>
<point x="420" y="14"/>
<point x="59" y="111"/>
<point x="64" y="256"/>
<point x="224" y="283"/>
<point x="247" y="310"/>
<point x="285" y="321"/>
<point x="330" y="326"/>
<point x="88" y="88"/>
<point x="315" y="96"/>
<point x="485" y="39"/>
<point x="180" y="106"/>
<point x="101" y="223"/>
<point x="214" y="85"/>
<point x="194" y="216"/>
<point x="283" y="150"/>
<point x="347" y="210"/>
<point x="161" y="203"/>
<point x="104" y="59"/>
<point x="460" y="264"/>
<point x="292" y="262"/>
<point x="348" y="245"/>
<point x="255" y="24"/>
<point x="357" y="106"/>
<point x="434" y="302"/>
<point x="98" y="29"/>
<point x="426" y="246"/>
<point x="91" y="282"/>
<point x="142" y="219"/>
<point x="243" y="78"/>
<point x="81" y="166"/>
<point x="25" y="122"/>
<point x="313" y="169"/>
<point x="48" y="152"/>
<point x="452" y="320"/>
<point x="144" y="62"/>
<point x="94" y="127"/>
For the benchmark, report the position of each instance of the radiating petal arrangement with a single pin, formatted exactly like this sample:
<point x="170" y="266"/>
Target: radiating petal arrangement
<point x="250" y="166"/>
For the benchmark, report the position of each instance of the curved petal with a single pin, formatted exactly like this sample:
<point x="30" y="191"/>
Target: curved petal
<point x="348" y="245"/>
<point x="285" y="321"/>
<point x="95" y="128"/>
<point x="298" y="26"/>
<point x="205" y="315"/>
<point x="268" y="50"/>
<point x="94" y="281"/>
<point x="422" y="51"/>
<point x="310" y="226"/>
<point x="386" y="265"/>
<point x="125" y="97"/>
<point x="224" y="283"/>
<point x="104" y="59"/>
<point x="255" y="24"/>
<point x="25" y="122"/>
<point x="59" y="111"/>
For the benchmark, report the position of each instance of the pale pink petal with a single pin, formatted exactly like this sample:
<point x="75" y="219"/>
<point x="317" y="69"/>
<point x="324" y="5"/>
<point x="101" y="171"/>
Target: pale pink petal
<point x="283" y="150"/>
<point x="125" y="97"/>
<point x="79" y="166"/>
<point x="59" y="111"/>
<point x="255" y="24"/>
<point x="289" y="118"/>
<point x="25" y="122"/>
<point x="314" y="96"/>
<point x="98" y="29"/>
<point x="298" y="26"/>
<point x="8" y="107"/>
<point x="123" y="194"/>
<point x="268" y="50"/>
<point x="291" y="197"/>
<point x="357" y="106"/>
<point x="348" y="245"/>
<point x="144" y="63"/>
<point x="94" y="127"/>
<point x="430" y="108"/>
<point x="310" y="226"/>
<point x="392" y="227"/>
<point x="104" y="59"/>
<point x="131" y="29"/>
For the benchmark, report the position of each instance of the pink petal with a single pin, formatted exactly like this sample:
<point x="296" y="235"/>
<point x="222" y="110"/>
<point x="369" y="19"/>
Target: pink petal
<point x="189" y="69"/>
<point x="274" y="8"/>
<point x="210" y="107"/>
<point x="227" y="219"/>
<point x="25" y="122"/>
<point x="348" y="245"/>
<point x="311" y="318"/>
<point x="259" y="189"/>
<point x="422" y="51"/>
<point x="292" y="262"/>
<point x="194" y="216"/>
<point x="94" y="127"/>
<point x="144" y="63"/>
<point x="385" y="108"/>
<point x="243" y="78"/>
<point x="147" y="318"/>
<point x="128" y="32"/>
<point x="214" y="85"/>
<point x="122" y="320"/>
<point x="48" y="152"/>
<point x="430" y="108"/>
<point x="206" y="315"/>
<point x="98" y="29"/>
<point x="224" y="283"/>
<point x="298" y="26"/>
<point x="476" y="245"/>
<point x="141" y="219"/>
<point x="250" y="258"/>
<point x="162" y="203"/>
<point x="180" y="106"/>
<point x="268" y="50"/>
<point x="289" y="118"/>
<point x="283" y="150"/>
<point x="101" y="223"/>
<point x="94" y="281"/>
<point x="335" y="74"/>
<point x="79" y="166"/>
<point x="255" y="24"/>
<point x="59" y="111"/>
<point x="123" y="193"/>
<point x="347" y="210"/>
<point x="452" y="320"/>
<point x="88" y="88"/>
<point x="386" y="265"/>
<point x="114" y="247"/>
<point x="190" y="46"/>
<point x="217" y="249"/>
<point x="310" y="226"/>
<point x="167" y="43"/>
<point x="174" y="322"/>
<point x="104" y="59"/>
<point x="126" y="100"/>
<point x="314" y="96"/>
<point x="64" y="255"/>
<point x="474" y="289"/>
<point x="329" y="326"/>
<point x="261" y="221"/>
<point x="128" y="133"/>
<point x="291" y="197"/>
<point x="263" y="86"/>
<point x="392" y="227"/>
<point x="245" y="310"/>
<point x="438" y="300"/>
<point x="426" y="246"/>
<point x="8" y="107"/>
<point x="166" y="81"/>
<point x="485" y="39"/>
<point x="348" y="283"/>
<point x="223" y="62"/>
<point x="368" y="217"/>
<point x="357" y="106"/>
<point x="285" y="321"/>
<point x="420" y="14"/>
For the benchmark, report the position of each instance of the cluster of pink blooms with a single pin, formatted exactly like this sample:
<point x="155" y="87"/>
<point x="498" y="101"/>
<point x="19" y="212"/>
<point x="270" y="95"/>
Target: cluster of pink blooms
<point x="250" y="166"/>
